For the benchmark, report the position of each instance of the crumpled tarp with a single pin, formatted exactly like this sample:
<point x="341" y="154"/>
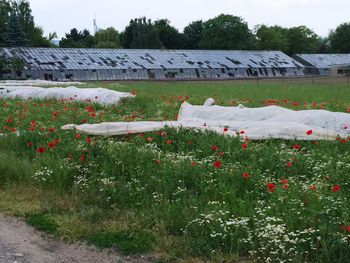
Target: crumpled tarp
<point x="38" y="82"/>
<point x="95" y="95"/>
<point x="272" y="122"/>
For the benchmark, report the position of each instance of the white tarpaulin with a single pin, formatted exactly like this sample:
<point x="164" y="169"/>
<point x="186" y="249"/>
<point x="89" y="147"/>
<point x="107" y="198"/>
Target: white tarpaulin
<point x="270" y="122"/>
<point x="37" y="82"/>
<point x="96" y="95"/>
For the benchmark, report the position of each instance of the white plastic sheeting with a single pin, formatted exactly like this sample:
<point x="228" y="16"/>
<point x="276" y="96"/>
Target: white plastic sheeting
<point x="96" y="95"/>
<point x="37" y="82"/>
<point x="270" y="122"/>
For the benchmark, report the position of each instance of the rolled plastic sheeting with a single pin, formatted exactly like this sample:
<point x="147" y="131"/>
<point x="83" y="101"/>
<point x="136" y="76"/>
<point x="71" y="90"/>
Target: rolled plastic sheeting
<point x="95" y="95"/>
<point x="264" y="123"/>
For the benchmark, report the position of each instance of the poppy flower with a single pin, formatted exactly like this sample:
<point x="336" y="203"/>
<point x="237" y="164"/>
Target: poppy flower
<point x="271" y="187"/>
<point x="168" y="142"/>
<point x="88" y="140"/>
<point x="220" y="154"/>
<point x="289" y="164"/>
<point x="163" y="134"/>
<point x="149" y="139"/>
<point x="241" y="132"/>
<point x="244" y="146"/>
<point x="246" y="175"/>
<point x="284" y="181"/>
<point x="41" y="150"/>
<point x="78" y="136"/>
<point x="297" y="146"/>
<point x="30" y="144"/>
<point x="309" y="132"/>
<point x="193" y="163"/>
<point x="336" y="188"/>
<point x="225" y="129"/>
<point x="214" y="148"/>
<point x="52" y="129"/>
<point x="313" y="187"/>
<point x="217" y="164"/>
<point x="286" y="186"/>
<point x="157" y="161"/>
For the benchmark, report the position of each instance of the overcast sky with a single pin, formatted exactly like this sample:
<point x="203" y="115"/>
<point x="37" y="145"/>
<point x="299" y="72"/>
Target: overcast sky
<point x="62" y="15"/>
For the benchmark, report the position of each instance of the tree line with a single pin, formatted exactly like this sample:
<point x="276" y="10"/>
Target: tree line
<point x="224" y="32"/>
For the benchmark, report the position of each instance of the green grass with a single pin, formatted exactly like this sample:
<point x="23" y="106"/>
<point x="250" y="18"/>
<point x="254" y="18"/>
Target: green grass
<point x="168" y="198"/>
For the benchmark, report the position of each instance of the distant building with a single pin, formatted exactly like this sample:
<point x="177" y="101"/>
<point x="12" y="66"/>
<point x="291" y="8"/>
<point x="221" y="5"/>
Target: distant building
<point x="324" y="64"/>
<point x="128" y="64"/>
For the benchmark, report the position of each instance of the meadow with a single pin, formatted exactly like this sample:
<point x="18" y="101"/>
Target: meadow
<point x="182" y="196"/>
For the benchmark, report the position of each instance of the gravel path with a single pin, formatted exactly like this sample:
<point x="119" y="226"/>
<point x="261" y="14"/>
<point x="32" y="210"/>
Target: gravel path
<point x="20" y="243"/>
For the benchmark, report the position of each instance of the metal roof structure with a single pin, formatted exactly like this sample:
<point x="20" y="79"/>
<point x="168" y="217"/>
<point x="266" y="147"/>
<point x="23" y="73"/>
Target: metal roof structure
<point x="325" y="60"/>
<point x="152" y="64"/>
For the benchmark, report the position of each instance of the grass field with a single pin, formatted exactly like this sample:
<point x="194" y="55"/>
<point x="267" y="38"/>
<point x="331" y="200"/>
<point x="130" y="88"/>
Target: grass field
<point x="180" y="195"/>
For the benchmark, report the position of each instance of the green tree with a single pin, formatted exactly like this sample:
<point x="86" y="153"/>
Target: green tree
<point x="169" y="36"/>
<point x="227" y="32"/>
<point x="5" y="10"/>
<point x="340" y="38"/>
<point x="302" y="40"/>
<point x="14" y="35"/>
<point x="77" y="39"/>
<point x="140" y="33"/>
<point x="107" y="38"/>
<point x="193" y="34"/>
<point x="33" y="33"/>
<point x="272" y="38"/>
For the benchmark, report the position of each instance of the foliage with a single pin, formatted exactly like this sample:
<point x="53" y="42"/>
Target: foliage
<point x="302" y="40"/>
<point x="5" y="10"/>
<point x="193" y="35"/>
<point x="169" y="36"/>
<point x="272" y="38"/>
<point x="14" y="35"/>
<point x="107" y="38"/>
<point x="77" y="39"/>
<point x="340" y="38"/>
<point x="227" y="32"/>
<point x="140" y="33"/>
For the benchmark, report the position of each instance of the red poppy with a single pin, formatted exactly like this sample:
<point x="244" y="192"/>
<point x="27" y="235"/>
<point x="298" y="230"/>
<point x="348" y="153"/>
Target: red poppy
<point x="241" y="132"/>
<point x="52" y="144"/>
<point x="284" y="181"/>
<point x="286" y="186"/>
<point x="313" y="187"/>
<point x="297" y="146"/>
<point x="149" y="139"/>
<point x="214" y="148"/>
<point x="225" y="129"/>
<point x="348" y="229"/>
<point x="78" y="136"/>
<point x="343" y="141"/>
<point x="289" y="164"/>
<point x="157" y="161"/>
<point x="193" y="163"/>
<point x="30" y="144"/>
<point x="190" y="142"/>
<point x="41" y="150"/>
<point x="13" y="129"/>
<point x="88" y="140"/>
<point x="336" y="188"/>
<point x="220" y="154"/>
<point x="217" y="164"/>
<point x="309" y="132"/>
<point x="246" y="175"/>
<point x="271" y="187"/>
<point x="52" y="129"/>
<point x="244" y="146"/>
<point x="163" y="134"/>
<point x="82" y="158"/>
<point x="168" y="142"/>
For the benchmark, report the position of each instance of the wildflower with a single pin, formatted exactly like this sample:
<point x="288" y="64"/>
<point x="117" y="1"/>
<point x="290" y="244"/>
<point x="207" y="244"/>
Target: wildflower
<point x="193" y="163"/>
<point x="241" y="132"/>
<point x="163" y="134"/>
<point x="289" y="164"/>
<point x="309" y="132"/>
<point x="297" y="146"/>
<point x="78" y="136"/>
<point x="190" y="142"/>
<point x="168" y="142"/>
<point x="348" y="229"/>
<point x="220" y="154"/>
<point x="343" y="141"/>
<point x="225" y="129"/>
<point x="214" y="148"/>
<point x="313" y="187"/>
<point x="217" y="164"/>
<point x="41" y="150"/>
<point x="52" y="129"/>
<point x="88" y="140"/>
<point x="30" y="144"/>
<point x="336" y="188"/>
<point x="82" y="158"/>
<point x="52" y="144"/>
<point x="13" y="129"/>
<point x="246" y="175"/>
<point x="271" y="187"/>
<point x="286" y="186"/>
<point x="157" y="161"/>
<point x="149" y="139"/>
<point x="284" y="181"/>
<point x="244" y="146"/>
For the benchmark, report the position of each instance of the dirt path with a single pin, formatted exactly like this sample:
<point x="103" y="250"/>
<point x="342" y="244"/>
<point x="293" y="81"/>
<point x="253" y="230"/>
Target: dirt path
<point x="20" y="243"/>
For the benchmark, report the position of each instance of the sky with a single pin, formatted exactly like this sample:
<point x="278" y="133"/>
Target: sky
<point x="62" y="15"/>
